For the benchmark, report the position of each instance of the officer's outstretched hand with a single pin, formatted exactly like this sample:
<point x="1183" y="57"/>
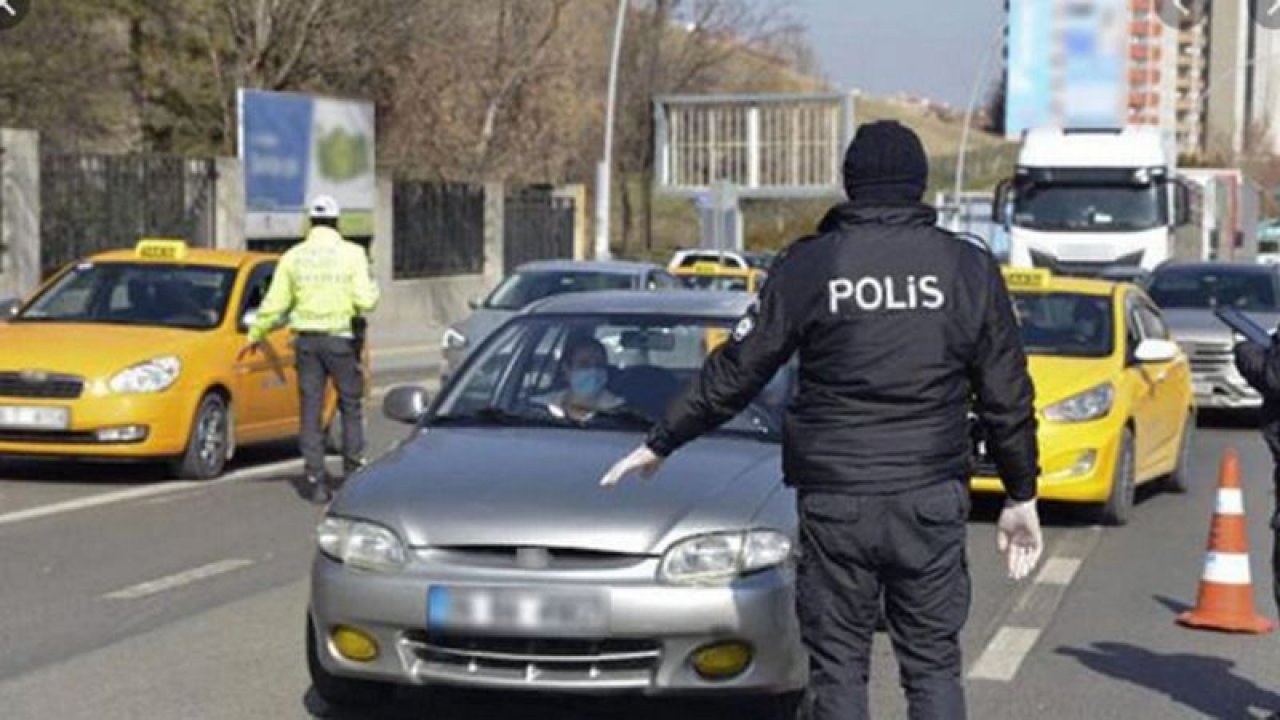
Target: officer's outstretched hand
<point x="642" y="459"/>
<point x="1018" y="536"/>
<point x="248" y="351"/>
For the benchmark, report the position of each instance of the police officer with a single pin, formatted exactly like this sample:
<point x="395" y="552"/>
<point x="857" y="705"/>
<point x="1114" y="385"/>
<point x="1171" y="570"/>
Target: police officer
<point x="899" y="327"/>
<point x="1260" y="366"/>
<point x="322" y="285"/>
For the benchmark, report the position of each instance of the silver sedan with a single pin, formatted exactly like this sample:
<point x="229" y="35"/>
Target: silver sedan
<point x="482" y="552"/>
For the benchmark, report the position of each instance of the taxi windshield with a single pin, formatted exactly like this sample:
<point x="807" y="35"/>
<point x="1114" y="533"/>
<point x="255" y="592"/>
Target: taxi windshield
<point x="1065" y="324"/>
<point x="596" y="372"/>
<point x="174" y="296"/>
<point x="733" y="283"/>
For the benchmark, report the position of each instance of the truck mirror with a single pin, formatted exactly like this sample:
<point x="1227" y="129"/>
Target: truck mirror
<point x="1181" y="203"/>
<point x="999" y="208"/>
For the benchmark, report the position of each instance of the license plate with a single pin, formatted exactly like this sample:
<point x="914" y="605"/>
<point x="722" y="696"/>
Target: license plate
<point x="34" y="418"/>
<point x="521" y="610"/>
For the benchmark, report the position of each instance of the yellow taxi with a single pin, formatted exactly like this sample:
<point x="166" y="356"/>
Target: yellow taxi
<point x="1113" y="392"/>
<point x="132" y="355"/>
<point x="714" y="276"/>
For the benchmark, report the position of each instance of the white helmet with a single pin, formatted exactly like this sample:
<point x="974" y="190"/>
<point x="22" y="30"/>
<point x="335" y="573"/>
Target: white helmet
<point x="324" y="207"/>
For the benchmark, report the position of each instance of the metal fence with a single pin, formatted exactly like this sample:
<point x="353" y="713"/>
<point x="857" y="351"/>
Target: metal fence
<point x="439" y="230"/>
<point x="93" y="203"/>
<point x="537" y="225"/>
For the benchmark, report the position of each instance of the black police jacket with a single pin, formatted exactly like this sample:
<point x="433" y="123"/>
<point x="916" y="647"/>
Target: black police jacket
<point x="1260" y="367"/>
<point x="900" y="329"/>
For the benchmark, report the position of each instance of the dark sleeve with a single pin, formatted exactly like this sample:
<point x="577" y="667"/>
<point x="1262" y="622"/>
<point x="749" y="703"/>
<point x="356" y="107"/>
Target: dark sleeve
<point x="1260" y="366"/>
<point x="1004" y="393"/>
<point x="735" y="373"/>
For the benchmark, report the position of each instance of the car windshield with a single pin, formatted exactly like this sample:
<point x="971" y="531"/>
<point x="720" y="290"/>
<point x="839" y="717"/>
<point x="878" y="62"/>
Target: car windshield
<point x="1089" y="208"/>
<point x="175" y="296"/>
<point x="1211" y="287"/>
<point x="593" y="372"/>
<point x="1065" y="324"/>
<point x="522" y="288"/>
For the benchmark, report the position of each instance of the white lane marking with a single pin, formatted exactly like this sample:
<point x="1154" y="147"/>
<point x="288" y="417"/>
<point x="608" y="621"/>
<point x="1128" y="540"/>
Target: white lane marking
<point x="1059" y="571"/>
<point x="172" y="582"/>
<point x="427" y="349"/>
<point x="1004" y="655"/>
<point x="148" y="491"/>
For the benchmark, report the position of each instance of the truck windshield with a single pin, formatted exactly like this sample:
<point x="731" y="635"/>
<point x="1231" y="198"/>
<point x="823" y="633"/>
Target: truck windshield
<point x="1078" y="207"/>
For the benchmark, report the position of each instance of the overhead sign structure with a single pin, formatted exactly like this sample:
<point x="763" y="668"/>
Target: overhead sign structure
<point x="294" y="147"/>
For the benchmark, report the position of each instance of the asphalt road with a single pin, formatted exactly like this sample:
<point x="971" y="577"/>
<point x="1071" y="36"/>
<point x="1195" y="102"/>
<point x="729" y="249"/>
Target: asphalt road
<point x="126" y="595"/>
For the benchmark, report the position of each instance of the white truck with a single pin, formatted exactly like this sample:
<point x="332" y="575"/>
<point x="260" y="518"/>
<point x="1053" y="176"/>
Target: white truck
<point x="1087" y="201"/>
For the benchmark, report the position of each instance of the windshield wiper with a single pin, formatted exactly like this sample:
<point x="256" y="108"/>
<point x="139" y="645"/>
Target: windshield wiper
<point x="628" y="416"/>
<point x="494" y="415"/>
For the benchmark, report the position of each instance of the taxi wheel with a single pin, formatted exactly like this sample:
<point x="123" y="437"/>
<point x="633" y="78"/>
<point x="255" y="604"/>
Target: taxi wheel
<point x="340" y="692"/>
<point x="1179" y="480"/>
<point x="1119" y="506"/>
<point x="206" y="454"/>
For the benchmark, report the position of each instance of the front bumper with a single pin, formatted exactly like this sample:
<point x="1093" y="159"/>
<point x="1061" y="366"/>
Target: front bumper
<point x="1064" y="448"/>
<point x="166" y="417"/>
<point x="651" y="630"/>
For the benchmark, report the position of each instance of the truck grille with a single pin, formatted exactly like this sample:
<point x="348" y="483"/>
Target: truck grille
<point x="40" y="385"/>
<point x="1209" y="357"/>
<point x="534" y="662"/>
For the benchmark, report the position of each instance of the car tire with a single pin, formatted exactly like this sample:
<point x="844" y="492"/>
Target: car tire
<point x="210" y="442"/>
<point x="340" y="692"/>
<point x="1179" y="481"/>
<point x="1118" y="508"/>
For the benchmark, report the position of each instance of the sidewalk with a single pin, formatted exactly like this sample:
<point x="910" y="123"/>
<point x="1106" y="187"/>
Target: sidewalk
<point x="400" y="348"/>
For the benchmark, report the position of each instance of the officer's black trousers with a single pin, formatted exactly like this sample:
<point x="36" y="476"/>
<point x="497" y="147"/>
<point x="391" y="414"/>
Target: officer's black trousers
<point x="319" y="359"/>
<point x="910" y="547"/>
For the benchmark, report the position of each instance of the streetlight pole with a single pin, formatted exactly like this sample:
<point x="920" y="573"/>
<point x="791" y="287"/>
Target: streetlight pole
<point x="604" y="171"/>
<point x="983" y="72"/>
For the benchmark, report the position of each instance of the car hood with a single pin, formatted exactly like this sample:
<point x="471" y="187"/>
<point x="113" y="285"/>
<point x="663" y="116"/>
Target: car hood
<point x="89" y="350"/>
<point x="523" y="487"/>
<point x="481" y="323"/>
<point x="1057" y="378"/>
<point x="1198" y="325"/>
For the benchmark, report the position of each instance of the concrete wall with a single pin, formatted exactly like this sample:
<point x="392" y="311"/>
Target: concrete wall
<point x="19" y="212"/>
<point x="1228" y="56"/>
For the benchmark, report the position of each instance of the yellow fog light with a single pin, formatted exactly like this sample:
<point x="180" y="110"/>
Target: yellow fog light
<point x="352" y="644"/>
<point x="722" y="661"/>
<point x="1082" y="466"/>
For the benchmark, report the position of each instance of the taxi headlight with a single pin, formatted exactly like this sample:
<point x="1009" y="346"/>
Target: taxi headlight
<point x="1089" y="405"/>
<point x="720" y="557"/>
<point x="361" y="545"/>
<point x="453" y="340"/>
<point x="152" y="376"/>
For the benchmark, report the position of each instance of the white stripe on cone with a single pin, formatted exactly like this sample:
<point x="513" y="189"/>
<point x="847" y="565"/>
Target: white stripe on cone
<point x="1226" y="568"/>
<point x="1230" y="501"/>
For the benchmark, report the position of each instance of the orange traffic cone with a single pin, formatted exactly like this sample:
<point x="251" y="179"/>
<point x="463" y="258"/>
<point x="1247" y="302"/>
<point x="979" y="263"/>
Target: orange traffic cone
<point x="1226" y="590"/>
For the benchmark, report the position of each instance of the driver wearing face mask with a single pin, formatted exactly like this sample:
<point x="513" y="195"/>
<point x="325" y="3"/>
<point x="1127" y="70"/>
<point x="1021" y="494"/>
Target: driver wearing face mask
<point x="585" y="365"/>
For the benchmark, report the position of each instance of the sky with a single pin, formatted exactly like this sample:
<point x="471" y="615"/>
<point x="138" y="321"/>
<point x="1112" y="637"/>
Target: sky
<point x="933" y="48"/>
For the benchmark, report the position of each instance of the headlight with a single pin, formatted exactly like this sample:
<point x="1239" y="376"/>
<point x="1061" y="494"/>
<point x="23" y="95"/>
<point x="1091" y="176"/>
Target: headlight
<point x="360" y="544"/>
<point x="720" y="557"/>
<point x="152" y="376"/>
<point x="1088" y="405"/>
<point x="453" y="340"/>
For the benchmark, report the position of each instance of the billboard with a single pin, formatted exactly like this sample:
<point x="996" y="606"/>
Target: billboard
<point x="1068" y="64"/>
<point x="294" y="147"/>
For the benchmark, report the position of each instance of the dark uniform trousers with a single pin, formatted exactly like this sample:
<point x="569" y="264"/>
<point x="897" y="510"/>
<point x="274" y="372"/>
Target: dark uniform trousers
<point x="321" y="357"/>
<point x="910" y="546"/>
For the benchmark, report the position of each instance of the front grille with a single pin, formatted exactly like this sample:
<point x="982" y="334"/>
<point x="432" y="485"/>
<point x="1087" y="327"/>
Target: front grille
<point x="535" y="558"/>
<point x="534" y="662"/>
<point x="1209" y="357"/>
<point x="1079" y="268"/>
<point x="26" y="385"/>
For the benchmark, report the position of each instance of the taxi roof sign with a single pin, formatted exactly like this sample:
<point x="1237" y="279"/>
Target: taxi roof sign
<point x="1033" y="278"/>
<point x="161" y="249"/>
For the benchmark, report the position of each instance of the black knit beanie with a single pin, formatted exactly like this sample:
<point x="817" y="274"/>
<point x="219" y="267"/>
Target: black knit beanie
<point x="885" y="164"/>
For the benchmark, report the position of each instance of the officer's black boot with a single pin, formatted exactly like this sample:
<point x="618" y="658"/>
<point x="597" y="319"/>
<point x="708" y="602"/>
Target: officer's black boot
<point x="317" y="489"/>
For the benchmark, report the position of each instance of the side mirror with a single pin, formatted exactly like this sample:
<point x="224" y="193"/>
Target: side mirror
<point x="999" y="207"/>
<point x="9" y="308"/>
<point x="406" y="404"/>
<point x="1181" y="203"/>
<point x="1156" y="351"/>
<point x="250" y="317"/>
